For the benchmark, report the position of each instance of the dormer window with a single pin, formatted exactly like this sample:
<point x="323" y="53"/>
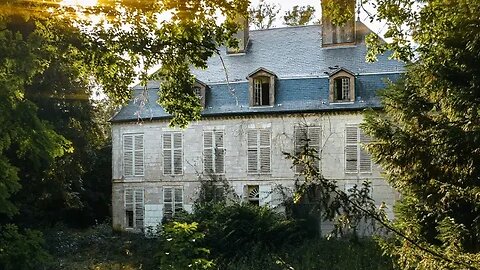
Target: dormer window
<point x="199" y="90"/>
<point x="342" y="86"/>
<point x="262" y="88"/>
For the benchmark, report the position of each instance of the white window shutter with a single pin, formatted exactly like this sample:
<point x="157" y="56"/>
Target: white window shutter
<point x="138" y="157"/>
<point x="129" y="199"/>
<point x="139" y="211"/>
<point x="167" y="153"/>
<point x="208" y="151"/>
<point x="178" y="153"/>
<point x="219" y="152"/>
<point x="128" y="155"/>
<point x="265" y="142"/>
<point x="167" y="202"/>
<point x="265" y="196"/>
<point x="314" y="137"/>
<point x="351" y="149"/>
<point x="300" y="134"/>
<point x="365" y="158"/>
<point x="252" y="154"/>
<point x="178" y="199"/>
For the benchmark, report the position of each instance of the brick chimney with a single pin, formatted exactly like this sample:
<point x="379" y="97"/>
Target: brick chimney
<point x="241" y="36"/>
<point x="334" y="34"/>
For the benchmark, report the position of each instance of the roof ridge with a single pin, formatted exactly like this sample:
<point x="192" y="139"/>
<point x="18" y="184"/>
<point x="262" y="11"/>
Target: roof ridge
<point x="285" y="27"/>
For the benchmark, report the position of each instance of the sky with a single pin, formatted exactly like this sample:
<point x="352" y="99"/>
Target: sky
<point x="285" y="5"/>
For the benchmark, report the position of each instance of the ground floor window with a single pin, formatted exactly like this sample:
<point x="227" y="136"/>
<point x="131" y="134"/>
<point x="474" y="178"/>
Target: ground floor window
<point x="134" y="208"/>
<point x="172" y="201"/>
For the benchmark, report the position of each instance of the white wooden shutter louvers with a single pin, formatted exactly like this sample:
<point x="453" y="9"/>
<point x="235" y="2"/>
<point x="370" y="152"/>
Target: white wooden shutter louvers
<point x="134" y="204"/>
<point x="365" y="158"/>
<point x="128" y="155"/>
<point x="177" y="153"/>
<point x="172" y="153"/>
<point x="208" y="151"/>
<point x="351" y="149"/>
<point x="258" y="155"/>
<point x="252" y="155"/>
<point x="133" y="164"/>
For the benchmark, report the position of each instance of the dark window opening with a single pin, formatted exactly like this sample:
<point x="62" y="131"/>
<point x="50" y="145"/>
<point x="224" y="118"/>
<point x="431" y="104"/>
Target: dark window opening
<point x="129" y="215"/>
<point x="341" y="89"/>
<point x="261" y="91"/>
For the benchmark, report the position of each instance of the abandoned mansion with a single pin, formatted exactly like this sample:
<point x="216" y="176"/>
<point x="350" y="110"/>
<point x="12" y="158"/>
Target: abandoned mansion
<point x="285" y="85"/>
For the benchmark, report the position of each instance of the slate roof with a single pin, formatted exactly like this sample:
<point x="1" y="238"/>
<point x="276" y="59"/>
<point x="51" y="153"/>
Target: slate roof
<point x="295" y="55"/>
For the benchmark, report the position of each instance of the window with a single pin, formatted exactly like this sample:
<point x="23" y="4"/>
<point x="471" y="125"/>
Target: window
<point x="262" y="87"/>
<point x="258" y="154"/>
<point x="357" y="159"/>
<point x="133" y="155"/>
<point x="172" y="201"/>
<point x="199" y="90"/>
<point x="342" y="89"/>
<point x="309" y="137"/>
<point x="134" y="208"/>
<point x="253" y="194"/>
<point x="261" y="91"/>
<point x="213" y="152"/>
<point x="342" y="86"/>
<point x="172" y="153"/>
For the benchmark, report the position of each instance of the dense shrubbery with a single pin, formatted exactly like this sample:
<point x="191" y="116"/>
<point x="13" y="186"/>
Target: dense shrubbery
<point x="242" y="236"/>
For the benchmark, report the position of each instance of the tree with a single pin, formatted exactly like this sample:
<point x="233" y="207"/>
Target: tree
<point x="427" y="137"/>
<point x="299" y="15"/>
<point x="263" y="15"/>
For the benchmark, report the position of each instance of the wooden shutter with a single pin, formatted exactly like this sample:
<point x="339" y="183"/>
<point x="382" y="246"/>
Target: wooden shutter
<point x="177" y="153"/>
<point x="139" y="212"/>
<point x="168" y="202"/>
<point x="128" y="155"/>
<point x="167" y="153"/>
<point x="219" y="152"/>
<point x="300" y="134"/>
<point x="208" y="151"/>
<point x="365" y="158"/>
<point x="314" y="141"/>
<point x="265" y="151"/>
<point x="351" y="149"/>
<point x="252" y="154"/>
<point x="138" y="156"/>
<point x="178" y="200"/>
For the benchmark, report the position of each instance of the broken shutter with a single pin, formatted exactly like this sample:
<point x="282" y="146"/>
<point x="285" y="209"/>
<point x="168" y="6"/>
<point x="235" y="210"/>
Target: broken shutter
<point x="252" y="154"/>
<point x="219" y="152"/>
<point x="365" y="159"/>
<point x="134" y="204"/>
<point x="177" y="153"/>
<point x="264" y="151"/>
<point x="167" y="153"/>
<point x="351" y="149"/>
<point x="128" y="155"/>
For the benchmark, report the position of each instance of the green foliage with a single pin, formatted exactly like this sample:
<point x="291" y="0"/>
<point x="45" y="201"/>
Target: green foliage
<point x="338" y="11"/>
<point x="427" y="136"/>
<point x="299" y="15"/>
<point x="263" y="15"/>
<point x="182" y="247"/>
<point x="22" y="250"/>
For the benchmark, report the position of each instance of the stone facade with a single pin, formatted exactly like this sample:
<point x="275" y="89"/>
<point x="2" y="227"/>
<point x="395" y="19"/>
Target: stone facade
<point x="281" y="128"/>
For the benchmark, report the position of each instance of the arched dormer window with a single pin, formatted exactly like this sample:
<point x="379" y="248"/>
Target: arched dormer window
<point x="262" y="87"/>
<point x="199" y="90"/>
<point x="342" y="86"/>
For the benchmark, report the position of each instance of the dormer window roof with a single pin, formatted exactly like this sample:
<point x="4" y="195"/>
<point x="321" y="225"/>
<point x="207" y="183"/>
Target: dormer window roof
<point x="342" y="86"/>
<point x="262" y="87"/>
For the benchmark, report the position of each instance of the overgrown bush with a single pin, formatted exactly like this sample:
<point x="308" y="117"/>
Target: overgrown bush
<point x="22" y="250"/>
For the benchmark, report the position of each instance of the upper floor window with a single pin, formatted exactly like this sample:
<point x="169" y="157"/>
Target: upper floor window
<point x="213" y="151"/>
<point x="342" y="86"/>
<point x="308" y="137"/>
<point x="357" y="159"/>
<point x="172" y="153"/>
<point x="258" y="154"/>
<point x="262" y="87"/>
<point x="133" y="155"/>
<point x="199" y="90"/>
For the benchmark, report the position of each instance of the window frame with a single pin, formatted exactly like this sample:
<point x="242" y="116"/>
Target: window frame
<point x="134" y="207"/>
<point x="360" y="153"/>
<point x="173" y="202"/>
<point x="258" y="150"/>
<point x="172" y="152"/>
<point x="134" y="151"/>
<point x="342" y="74"/>
<point x="253" y="77"/>
<point x="214" y="148"/>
